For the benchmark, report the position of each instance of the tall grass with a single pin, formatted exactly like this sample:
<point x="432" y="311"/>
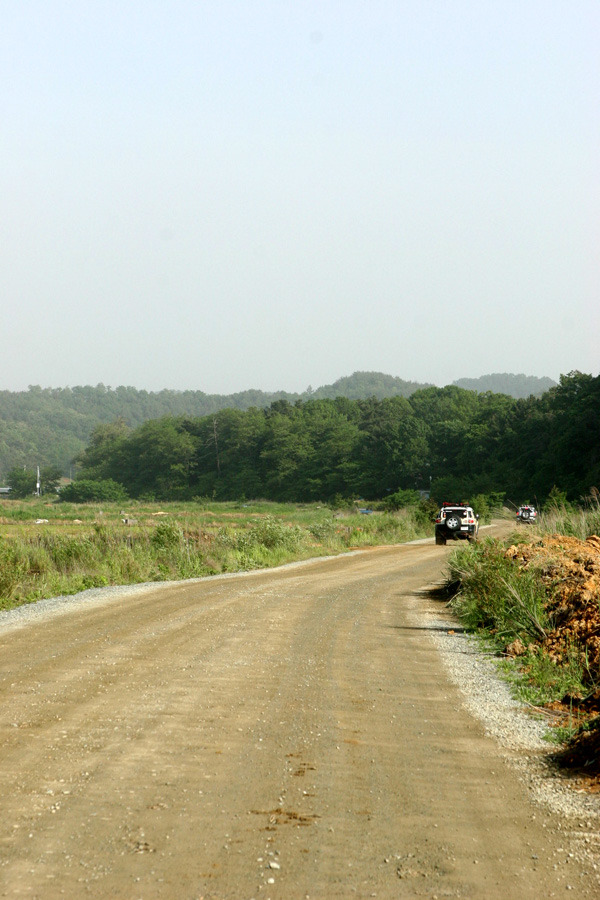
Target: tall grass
<point x="576" y="521"/>
<point x="47" y="549"/>
<point x="494" y="595"/>
<point x="506" y="604"/>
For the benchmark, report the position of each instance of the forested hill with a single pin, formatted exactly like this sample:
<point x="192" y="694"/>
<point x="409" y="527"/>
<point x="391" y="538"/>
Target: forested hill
<point x="50" y="426"/>
<point x="363" y="385"/>
<point x="453" y="442"/>
<point x="518" y="386"/>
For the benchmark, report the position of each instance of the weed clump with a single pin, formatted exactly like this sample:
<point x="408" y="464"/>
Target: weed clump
<point x="13" y="566"/>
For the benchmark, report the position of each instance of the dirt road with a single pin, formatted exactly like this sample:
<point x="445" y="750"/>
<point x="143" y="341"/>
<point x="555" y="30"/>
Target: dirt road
<point x="284" y="734"/>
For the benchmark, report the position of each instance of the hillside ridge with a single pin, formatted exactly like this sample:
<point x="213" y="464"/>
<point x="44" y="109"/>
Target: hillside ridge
<point x="50" y="426"/>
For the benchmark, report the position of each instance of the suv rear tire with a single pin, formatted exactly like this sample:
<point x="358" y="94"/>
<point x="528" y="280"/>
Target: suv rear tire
<point x="453" y="522"/>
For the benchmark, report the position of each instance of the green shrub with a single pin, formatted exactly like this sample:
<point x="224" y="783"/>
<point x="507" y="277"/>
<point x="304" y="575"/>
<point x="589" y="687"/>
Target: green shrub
<point x="167" y="535"/>
<point x="273" y="533"/>
<point x="401" y="498"/>
<point x="93" y="581"/>
<point x="86" y="491"/>
<point x="338" y="501"/>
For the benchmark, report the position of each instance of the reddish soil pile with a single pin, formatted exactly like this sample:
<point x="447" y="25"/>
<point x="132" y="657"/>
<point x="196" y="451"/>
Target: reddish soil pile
<point x="570" y="570"/>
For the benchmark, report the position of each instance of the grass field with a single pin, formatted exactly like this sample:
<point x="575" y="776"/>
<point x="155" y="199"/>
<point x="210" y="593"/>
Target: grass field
<point x="51" y="548"/>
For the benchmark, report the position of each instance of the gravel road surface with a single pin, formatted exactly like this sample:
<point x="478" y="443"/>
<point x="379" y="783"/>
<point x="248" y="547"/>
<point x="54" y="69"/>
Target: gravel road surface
<point x="313" y="731"/>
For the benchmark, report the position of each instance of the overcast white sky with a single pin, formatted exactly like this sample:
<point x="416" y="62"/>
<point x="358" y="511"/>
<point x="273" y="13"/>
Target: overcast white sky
<point x="227" y="194"/>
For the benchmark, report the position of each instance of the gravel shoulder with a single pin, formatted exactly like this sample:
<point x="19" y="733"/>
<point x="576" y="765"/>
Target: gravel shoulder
<point x="520" y="733"/>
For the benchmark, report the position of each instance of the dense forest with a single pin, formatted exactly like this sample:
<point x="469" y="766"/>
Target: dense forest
<point x="50" y="426"/>
<point x="456" y="442"/>
<point x="519" y="386"/>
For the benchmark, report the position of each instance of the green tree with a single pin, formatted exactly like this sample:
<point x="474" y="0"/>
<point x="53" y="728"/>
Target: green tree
<point x="330" y="466"/>
<point x="87" y="491"/>
<point x="574" y="440"/>
<point x="446" y="414"/>
<point x="236" y="440"/>
<point x="394" y="452"/>
<point x="285" y="452"/>
<point x="22" y="482"/>
<point x="50" y="477"/>
<point x="485" y="458"/>
<point x="105" y="455"/>
<point x="159" y="457"/>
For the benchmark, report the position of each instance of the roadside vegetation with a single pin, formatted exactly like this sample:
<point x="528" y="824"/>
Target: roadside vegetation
<point x="580" y="520"/>
<point x="534" y="599"/>
<point x="49" y="549"/>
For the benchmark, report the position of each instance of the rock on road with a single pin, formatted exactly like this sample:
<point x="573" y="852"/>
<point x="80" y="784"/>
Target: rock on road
<point x="283" y="734"/>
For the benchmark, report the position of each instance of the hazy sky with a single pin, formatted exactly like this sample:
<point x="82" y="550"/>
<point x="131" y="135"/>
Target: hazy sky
<point x="227" y="194"/>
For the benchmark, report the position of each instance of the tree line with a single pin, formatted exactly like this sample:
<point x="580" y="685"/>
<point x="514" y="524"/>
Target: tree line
<point x="454" y="442"/>
<point x="50" y="426"/>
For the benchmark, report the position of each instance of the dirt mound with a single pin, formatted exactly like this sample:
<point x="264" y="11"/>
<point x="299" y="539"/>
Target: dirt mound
<point x="570" y="571"/>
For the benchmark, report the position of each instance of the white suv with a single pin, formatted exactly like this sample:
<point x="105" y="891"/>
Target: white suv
<point x="527" y="514"/>
<point x="456" y="521"/>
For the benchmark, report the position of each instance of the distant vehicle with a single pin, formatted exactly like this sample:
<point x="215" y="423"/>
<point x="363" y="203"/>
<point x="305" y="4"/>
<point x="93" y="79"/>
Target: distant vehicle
<point x="527" y="514"/>
<point x="455" y="522"/>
